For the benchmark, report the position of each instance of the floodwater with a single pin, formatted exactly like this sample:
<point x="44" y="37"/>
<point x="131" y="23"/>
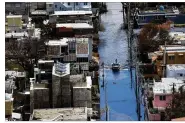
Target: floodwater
<point x="113" y="45"/>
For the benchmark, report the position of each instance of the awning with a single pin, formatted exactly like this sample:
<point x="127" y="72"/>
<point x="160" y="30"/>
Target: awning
<point x="171" y="54"/>
<point x="181" y="54"/>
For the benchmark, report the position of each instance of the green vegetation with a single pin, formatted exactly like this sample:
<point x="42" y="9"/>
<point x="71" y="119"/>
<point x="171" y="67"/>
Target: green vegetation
<point x="153" y="110"/>
<point x="11" y="66"/>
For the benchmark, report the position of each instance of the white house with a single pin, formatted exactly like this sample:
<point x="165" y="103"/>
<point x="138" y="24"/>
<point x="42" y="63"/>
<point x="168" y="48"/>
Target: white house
<point x="175" y="71"/>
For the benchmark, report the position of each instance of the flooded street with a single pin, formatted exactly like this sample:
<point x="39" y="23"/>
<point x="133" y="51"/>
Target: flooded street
<point x="113" y="45"/>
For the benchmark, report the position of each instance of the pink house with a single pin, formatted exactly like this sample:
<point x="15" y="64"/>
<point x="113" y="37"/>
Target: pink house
<point x="161" y="101"/>
<point x="163" y="92"/>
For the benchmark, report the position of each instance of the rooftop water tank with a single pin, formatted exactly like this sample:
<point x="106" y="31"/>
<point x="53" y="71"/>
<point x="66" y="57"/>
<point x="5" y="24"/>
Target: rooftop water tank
<point x="161" y="8"/>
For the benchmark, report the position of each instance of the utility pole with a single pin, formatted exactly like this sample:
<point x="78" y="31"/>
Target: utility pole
<point x="103" y="76"/>
<point x="106" y="105"/>
<point x="129" y="42"/>
<point x="164" y="61"/>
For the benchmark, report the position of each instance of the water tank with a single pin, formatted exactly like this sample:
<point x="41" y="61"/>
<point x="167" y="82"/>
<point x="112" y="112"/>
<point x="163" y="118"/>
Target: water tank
<point x="161" y="8"/>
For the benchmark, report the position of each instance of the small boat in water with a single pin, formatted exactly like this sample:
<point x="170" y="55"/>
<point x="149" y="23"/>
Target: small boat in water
<point x="115" y="66"/>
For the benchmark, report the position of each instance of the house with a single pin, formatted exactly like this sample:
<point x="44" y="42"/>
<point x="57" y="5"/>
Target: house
<point x="162" y="96"/>
<point x="82" y="93"/>
<point x="39" y="96"/>
<point x="61" y="88"/>
<point x="61" y="114"/>
<point x="163" y="91"/>
<point x="18" y="83"/>
<point x="17" y="8"/>
<point x="37" y="6"/>
<point x="71" y="16"/>
<point x="174" y="55"/>
<point x="8" y="104"/>
<point x="67" y="6"/>
<point x="179" y="37"/>
<point x="72" y="29"/>
<point x="50" y="7"/>
<point x="159" y="14"/>
<point x="175" y="71"/>
<point x="14" y="22"/>
<point x="77" y="50"/>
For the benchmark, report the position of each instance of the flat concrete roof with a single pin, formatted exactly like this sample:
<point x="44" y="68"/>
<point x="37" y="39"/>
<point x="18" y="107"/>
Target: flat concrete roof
<point x="17" y="34"/>
<point x="14" y="16"/>
<point x="166" y="85"/>
<point x="176" y="67"/>
<point x="59" y="114"/>
<point x="75" y="25"/>
<point x="45" y="61"/>
<point x="72" y="12"/>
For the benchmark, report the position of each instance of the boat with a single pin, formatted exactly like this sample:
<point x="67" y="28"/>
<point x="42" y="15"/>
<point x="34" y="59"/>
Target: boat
<point x="115" y="66"/>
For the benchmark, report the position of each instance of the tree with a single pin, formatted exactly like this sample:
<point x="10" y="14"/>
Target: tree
<point x="152" y="35"/>
<point x="25" y="52"/>
<point x="176" y="108"/>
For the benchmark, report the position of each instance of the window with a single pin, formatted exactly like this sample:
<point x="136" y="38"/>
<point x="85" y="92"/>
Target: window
<point x="85" y="3"/>
<point x="162" y="98"/>
<point x="50" y="5"/>
<point x="171" y="57"/>
<point x="17" y="5"/>
<point x="60" y="8"/>
<point x="55" y="6"/>
<point x="180" y="74"/>
<point x="142" y="18"/>
<point x="68" y="3"/>
<point x="77" y="4"/>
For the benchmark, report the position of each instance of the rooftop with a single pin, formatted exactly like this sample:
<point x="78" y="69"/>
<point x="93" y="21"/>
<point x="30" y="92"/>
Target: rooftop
<point x="13" y="74"/>
<point x="45" y="61"/>
<point x="179" y="119"/>
<point x="72" y="12"/>
<point x="14" y="16"/>
<point x="160" y="10"/>
<point x="16" y="35"/>
<point x="63" y="42"/>
<point x="39" y="12"/>
<point x="173" y="48"/>
<point x="59" y="114"/>
<point x="176" y="67"/>
<point x="166" y="85"/>
<point x="75" y="25"/>
<point x="82" y="84"/>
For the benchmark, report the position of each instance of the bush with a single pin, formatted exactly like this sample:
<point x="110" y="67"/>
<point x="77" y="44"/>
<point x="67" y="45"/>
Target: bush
<point x="153" y="110"/>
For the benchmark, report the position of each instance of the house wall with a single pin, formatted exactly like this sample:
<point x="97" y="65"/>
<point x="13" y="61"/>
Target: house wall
<point x="161" y="103"/>
<point x="67" y="6"/>
<point x="175" y="73"/>
<point x="178" y="59"/>
<point x="8" y="107"/>
<point x="18" y="8"/>
<point x="41" y="98"/>
<point x="82" y="97"/>
<point x="61" y="92"/>
<point x="14" y="23"/>
<point x="154" y="117"/>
